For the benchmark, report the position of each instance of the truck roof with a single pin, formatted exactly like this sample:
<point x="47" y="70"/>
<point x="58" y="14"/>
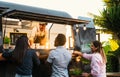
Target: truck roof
<point x="17" y="11"/>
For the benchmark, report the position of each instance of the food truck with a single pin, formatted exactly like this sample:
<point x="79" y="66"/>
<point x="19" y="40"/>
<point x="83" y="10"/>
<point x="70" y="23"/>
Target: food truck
<point x="17" y="20"/>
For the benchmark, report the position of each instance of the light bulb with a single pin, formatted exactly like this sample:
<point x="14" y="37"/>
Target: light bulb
<point x="84" y="27"/>
<point x="77" y="30"/>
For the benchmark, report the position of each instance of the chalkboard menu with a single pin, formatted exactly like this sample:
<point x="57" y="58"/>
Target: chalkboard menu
<point x="14" y="37"/>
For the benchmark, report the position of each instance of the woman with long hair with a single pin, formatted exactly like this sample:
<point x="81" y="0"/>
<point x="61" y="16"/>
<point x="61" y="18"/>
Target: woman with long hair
<point x="98" y="60"/>
<point x="23" y="56"/>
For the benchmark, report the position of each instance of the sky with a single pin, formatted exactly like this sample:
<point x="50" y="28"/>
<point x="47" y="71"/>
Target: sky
<point x="73" y="7"/>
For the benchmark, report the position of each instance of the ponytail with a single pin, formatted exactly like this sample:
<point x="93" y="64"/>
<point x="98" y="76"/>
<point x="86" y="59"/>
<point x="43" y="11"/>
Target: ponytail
<point x="103" y="55"/>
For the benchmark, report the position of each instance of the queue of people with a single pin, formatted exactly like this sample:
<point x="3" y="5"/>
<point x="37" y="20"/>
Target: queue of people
<point x="59" y="59"/>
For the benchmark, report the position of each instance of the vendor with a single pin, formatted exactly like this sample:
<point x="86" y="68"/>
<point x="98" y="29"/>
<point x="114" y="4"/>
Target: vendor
<point x="39" y="35"/>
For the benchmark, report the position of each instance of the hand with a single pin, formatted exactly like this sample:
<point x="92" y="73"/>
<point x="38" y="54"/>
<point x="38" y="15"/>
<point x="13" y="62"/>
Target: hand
<point x="78" y="53"/>
<point x="37" y="53"/>
<point x="85" y="74"/>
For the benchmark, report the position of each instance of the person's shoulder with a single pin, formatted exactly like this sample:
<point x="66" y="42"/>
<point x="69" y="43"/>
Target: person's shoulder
<point x="67" y="51"/>
<point x="31" y="50"/>
<point x="96" y="55"/>
<point x="53" y="51"/>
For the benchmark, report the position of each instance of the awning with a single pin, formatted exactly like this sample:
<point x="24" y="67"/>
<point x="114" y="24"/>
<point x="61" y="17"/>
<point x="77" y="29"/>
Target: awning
<point x="17" y="11"/>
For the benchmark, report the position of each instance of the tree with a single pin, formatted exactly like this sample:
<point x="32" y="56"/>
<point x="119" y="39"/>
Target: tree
<point x="110" y="17"/>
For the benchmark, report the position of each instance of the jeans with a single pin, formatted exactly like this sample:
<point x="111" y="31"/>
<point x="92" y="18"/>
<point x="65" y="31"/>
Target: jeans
<point x="18" y="75"/>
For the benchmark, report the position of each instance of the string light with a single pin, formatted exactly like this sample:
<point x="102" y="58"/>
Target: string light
<point x="84" y="27"/>
<point x="77" y="28"/>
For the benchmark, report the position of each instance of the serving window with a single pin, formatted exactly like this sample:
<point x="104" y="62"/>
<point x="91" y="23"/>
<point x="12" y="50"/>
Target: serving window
<point x="14" y="28"/>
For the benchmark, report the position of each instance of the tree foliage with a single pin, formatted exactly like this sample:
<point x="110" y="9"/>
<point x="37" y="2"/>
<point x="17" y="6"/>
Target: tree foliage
<point x="110" y="17"/>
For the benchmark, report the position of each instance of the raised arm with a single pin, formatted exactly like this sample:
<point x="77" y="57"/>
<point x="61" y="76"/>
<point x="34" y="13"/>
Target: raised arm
<point x="77" y="53"/>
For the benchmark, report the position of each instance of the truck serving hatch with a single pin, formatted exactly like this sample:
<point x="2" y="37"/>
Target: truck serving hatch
<point x="30" y="13"/>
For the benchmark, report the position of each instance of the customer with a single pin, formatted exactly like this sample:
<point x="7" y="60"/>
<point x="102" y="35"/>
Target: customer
<point x="39" y="35"/>
<point x="23" y="56"/>
<point x="59" y="58"/>
<point x="98" y="60"/>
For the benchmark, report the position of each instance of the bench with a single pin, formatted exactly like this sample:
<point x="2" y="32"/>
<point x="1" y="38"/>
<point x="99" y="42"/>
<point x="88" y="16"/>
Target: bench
<point x="113" y="74"/>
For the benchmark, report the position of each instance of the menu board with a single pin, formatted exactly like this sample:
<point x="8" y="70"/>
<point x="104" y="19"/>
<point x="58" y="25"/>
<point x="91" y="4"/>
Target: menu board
<point x="14" y="37"/>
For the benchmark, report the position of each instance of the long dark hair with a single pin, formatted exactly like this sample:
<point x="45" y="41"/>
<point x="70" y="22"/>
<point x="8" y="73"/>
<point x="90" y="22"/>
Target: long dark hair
<point x="20" y="49"/>
<point x="97" y="45"/>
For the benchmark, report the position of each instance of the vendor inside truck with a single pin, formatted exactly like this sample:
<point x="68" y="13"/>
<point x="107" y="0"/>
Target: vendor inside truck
<point x="39" y="35"/>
